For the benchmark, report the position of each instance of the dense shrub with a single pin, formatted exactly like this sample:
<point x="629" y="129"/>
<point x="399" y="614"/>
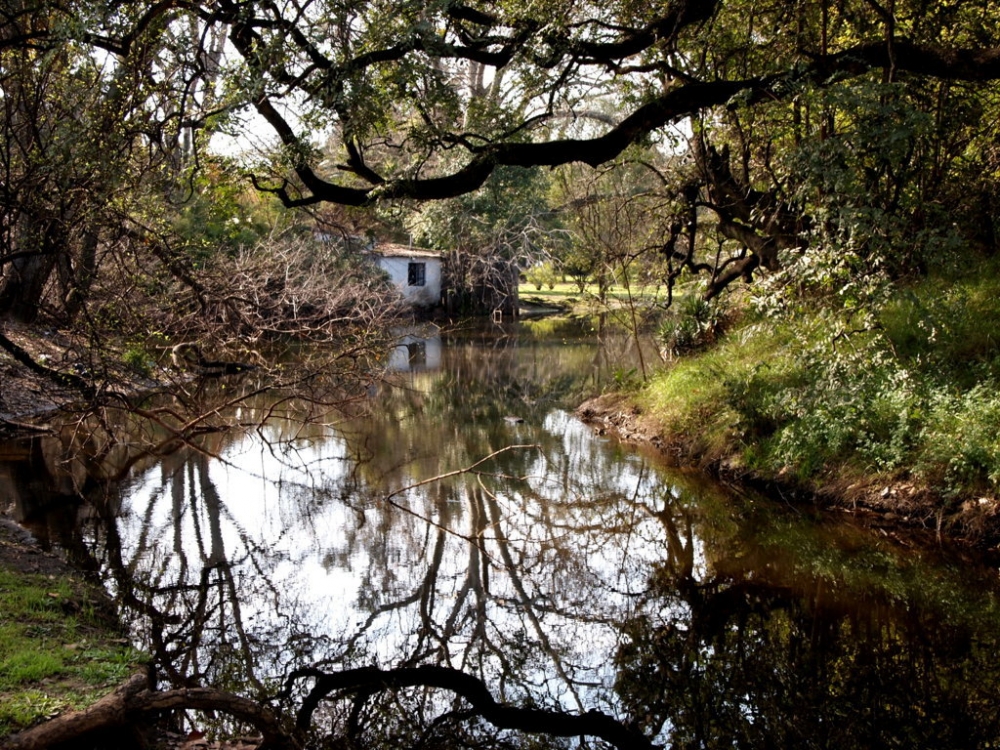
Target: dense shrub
<point x="907" y="389"/>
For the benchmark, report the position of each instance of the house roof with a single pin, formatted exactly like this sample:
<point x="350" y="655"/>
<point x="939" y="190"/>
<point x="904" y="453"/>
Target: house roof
<point x="391" y="250"/>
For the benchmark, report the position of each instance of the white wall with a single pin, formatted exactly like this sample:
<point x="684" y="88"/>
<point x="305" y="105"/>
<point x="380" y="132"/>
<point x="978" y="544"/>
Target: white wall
<point x="398" y="269"/>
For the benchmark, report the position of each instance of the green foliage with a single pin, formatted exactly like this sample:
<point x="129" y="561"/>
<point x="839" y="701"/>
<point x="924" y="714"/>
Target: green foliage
<point x="689" y="400"/>
<point x="30" y="667"/>
<point x="542" y="274"/>
<point x="866" y="186"/>
<point x="950" y="326"/>
<point x="499" y="216"/>
<point x="578" y="266"/>
<point x="29" y="707"/>
<point x="883" y="375"/>
<point x="138" y="360"/>
<point x="626" y="380"/>
<point x="908" y="389"/>
<point x="694" y="322"/>
<point x="218" y="214"/>
<point x="960" y="441"/>
<point x="851" y="406"/>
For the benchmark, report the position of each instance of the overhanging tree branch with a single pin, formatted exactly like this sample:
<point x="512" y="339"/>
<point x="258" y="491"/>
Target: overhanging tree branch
<point x="134" y="700"/>
<point x="678" y="103"/>
<point x="370" y="680"/>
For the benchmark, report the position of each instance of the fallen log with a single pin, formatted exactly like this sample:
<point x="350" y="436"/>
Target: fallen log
<point x="133" y="701"/>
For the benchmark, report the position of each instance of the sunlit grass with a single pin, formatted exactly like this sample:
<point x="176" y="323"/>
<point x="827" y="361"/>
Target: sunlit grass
<point x="709" y="396"/>
<point x="569" y="293"/>
<point x="56" y="651"/>
<point x="914" y="395"/>
<point x="689" y="396"/>
<point x="558" y="291"/>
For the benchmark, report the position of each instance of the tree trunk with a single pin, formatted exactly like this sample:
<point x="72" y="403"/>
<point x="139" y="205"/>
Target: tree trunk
<point x="24" y="279"/>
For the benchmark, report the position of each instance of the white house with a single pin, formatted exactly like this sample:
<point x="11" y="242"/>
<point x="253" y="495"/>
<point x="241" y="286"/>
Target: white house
<point x="415" y="271"/>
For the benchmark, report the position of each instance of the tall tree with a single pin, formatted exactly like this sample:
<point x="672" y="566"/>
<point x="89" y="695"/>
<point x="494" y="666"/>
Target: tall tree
<point x="84" y="134"/>
<point x="378" y="72"/>
<point x="428" y="99"/>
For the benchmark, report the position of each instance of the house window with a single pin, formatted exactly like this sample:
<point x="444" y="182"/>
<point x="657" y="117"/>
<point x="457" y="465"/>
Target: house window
<point x="417" y="275"/>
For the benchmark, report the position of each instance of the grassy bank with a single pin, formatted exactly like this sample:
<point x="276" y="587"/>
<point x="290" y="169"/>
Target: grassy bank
<point x="894" y="407"/>
<point x="60" y="647"/>
<point x="565" y="294"/>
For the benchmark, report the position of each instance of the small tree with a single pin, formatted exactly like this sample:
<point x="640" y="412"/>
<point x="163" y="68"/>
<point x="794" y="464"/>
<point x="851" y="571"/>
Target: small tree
<point x="542" y="274"/>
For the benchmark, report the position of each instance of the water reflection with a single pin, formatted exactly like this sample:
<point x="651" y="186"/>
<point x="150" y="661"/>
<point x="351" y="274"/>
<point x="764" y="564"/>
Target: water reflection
<point x="562" y="570"/>
<point x="792" y="634"/>
<point x="485" y="571"/>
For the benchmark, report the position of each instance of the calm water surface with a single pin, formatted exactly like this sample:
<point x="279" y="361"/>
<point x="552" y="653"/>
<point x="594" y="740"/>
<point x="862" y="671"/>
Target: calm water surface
<point x="468" y="519"/>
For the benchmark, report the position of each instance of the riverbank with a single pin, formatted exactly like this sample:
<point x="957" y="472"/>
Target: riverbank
<point x="61" y="647"/>
<point x="51" y="370"/>
<point x="27" y="396"/>
<point x="890" y="410"/>
<point x="886" y="503"/>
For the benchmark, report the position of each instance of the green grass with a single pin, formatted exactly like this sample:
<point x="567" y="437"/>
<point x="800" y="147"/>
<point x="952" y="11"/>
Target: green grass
<point x="568" y="293"/>
<point x="813" y="396"/>
<point x="718" y="397"/>
<point x="559" y="291"/>
<point x="57" y="650"/>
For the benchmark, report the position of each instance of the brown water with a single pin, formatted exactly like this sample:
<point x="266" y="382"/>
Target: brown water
<point x="563" y="570"/>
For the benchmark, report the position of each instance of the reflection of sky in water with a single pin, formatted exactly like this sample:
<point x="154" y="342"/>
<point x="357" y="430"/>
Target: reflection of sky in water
<point x="560" y="559"/>
<point x="572" y="572"/>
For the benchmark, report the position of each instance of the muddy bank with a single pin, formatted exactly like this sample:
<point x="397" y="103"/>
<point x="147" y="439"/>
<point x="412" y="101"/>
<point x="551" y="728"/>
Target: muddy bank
<point x="45" y="373"/>
<point x="27" y="396"/>
<point x="21" y="553"/>
<point x="889" y="504"/>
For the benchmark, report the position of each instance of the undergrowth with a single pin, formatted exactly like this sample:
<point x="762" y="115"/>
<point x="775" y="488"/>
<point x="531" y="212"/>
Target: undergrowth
<point x="905" y="390"/>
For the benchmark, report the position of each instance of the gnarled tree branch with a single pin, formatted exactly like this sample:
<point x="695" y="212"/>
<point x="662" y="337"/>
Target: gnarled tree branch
<point x="474" y="691"/>
<point x="134" y="700"/>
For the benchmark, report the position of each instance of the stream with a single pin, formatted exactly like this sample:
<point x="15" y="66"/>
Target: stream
<point x="460" y="515"/>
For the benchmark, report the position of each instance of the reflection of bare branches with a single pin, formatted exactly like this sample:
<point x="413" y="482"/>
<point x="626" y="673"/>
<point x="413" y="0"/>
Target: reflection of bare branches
<point x="471" y="469"/>
<point x="110" y="442"/>
<point x="514" y="580"/>
<point x="351" y="643"/>
<point x="426" y="598"/>
<point x="219" y="559"/>
<point x="476" y="576"/>
<point x="183" y="616"/>
<point x="526" y="602"/>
